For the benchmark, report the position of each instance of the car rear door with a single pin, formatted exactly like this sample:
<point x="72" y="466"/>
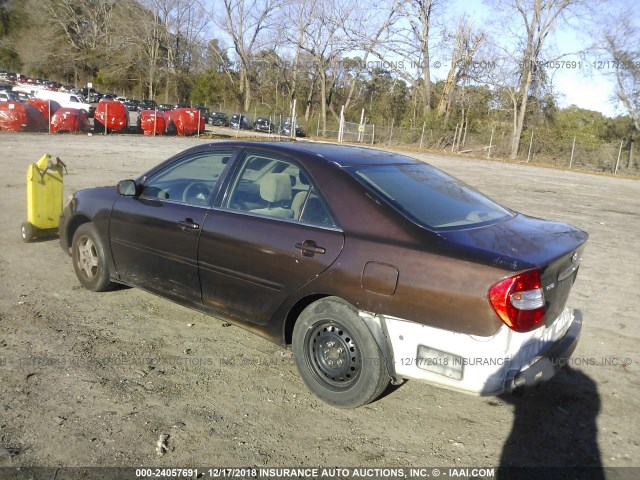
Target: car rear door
<point x="254" y="253"/>
<point x="154" y="235"/>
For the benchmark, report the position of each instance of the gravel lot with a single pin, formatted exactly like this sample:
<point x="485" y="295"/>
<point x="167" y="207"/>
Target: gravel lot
<point x="92" y="379"/>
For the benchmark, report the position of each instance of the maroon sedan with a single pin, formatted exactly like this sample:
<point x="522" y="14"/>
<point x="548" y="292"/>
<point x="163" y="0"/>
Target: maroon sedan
<point x="373" y="266"/>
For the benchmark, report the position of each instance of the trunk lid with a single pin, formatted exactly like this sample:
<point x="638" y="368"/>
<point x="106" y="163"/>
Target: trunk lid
<point x="523" y="243"/>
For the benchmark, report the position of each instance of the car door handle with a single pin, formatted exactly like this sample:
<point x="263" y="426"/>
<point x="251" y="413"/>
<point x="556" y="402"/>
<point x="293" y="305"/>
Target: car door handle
<point x="309" y="248"/>
<point x="188" y="224"/>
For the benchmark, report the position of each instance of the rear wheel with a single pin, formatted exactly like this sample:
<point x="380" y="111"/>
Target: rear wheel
<point x="89" y="259"/>
<point x="337" y="356"/>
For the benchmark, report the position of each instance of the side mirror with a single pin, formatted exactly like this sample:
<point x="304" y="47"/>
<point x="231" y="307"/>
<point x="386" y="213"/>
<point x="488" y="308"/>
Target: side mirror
<point x="126" y="188"/>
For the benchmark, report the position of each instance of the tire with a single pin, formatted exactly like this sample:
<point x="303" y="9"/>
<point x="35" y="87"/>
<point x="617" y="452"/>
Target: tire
<point x="98" y="127"/>
<point x="171" y="128"/>
<point x="28" y="232"/>
<point x="89" y="259"/>
<point x="337" y="356"/>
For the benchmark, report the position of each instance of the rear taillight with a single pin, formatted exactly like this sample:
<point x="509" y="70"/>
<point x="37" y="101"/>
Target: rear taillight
<point x="519" y="301"/>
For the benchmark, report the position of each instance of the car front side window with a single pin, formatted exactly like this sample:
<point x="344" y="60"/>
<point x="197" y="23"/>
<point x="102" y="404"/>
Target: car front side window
<point x="190" y="180"/>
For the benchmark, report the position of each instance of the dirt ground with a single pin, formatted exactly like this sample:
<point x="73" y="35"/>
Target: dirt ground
<point x="92" y="379"/>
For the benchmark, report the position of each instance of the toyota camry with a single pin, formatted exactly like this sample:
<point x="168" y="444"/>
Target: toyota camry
<point x="373" y="266"/>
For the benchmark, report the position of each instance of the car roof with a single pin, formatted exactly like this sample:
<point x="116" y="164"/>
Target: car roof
<point x="342" y="155"/>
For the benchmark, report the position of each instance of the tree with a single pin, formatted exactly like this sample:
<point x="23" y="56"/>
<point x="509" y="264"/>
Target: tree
<point x="153" y="39"/>
<point x="82" y="31"/>
<point x="298" y="14"/>
<point x="12" y="19"/>
<point x="465" y="46"/>
<point x="247" y="23"/>
<point x="386" y="97"/>
<point x="186" y="22"/>
<point x="538" y="19"/>
<point x="326" y="46"/>
<point x="621" y="43"/>
<point x="365" y="29"/>
<point x="408" y="38"/>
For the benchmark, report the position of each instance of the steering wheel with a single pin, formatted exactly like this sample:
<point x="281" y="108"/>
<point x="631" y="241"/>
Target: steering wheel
<point x="196" y="193"/>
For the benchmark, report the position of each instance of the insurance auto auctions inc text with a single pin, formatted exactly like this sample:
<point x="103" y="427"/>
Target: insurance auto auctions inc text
<point x="371" y="472"/>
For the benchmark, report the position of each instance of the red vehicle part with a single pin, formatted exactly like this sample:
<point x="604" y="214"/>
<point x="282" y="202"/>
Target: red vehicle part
<point x="21" y="117"/>
<point x="46" y="107"/>
<point x="184" y="121"/>
<point x="152" y="118"/>
<point x="69" y="120"/>
<point x="111" y="113"/>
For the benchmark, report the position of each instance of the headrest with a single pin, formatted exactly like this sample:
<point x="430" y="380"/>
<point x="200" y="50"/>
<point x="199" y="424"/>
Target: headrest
<point x="275" y="187"/>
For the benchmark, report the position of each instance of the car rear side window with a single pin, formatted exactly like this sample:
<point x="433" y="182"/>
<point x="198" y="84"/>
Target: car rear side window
<point x="430" y="197"/>
<point x="275" y="187"/>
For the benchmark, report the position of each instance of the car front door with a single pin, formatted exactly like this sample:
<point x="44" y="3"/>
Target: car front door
<point x="271" y="234"/>
<point x="154" y="235"/>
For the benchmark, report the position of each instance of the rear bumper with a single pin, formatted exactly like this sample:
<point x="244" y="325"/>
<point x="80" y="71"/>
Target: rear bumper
<point x="553" y="359"/>
<point x="480" y="365"/>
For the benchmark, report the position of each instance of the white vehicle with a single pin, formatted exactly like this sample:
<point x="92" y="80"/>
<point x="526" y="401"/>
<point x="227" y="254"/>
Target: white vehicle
<point x="8" y="96"/>
<point x="23" y="88"/>
<point x="67" y="100"/>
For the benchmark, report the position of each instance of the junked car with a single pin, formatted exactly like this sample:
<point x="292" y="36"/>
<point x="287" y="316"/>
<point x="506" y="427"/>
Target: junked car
<point x="240" y="122"/>
<point x="46" y="107"/>
<point x="66" y="100"/>
<point x="184" y="121"/>
<point x="69" y="120"/>
<point x="373" y="266"/>
<point x="264" y="124"/>
<point x="7" y="96"/>
<point x="152" y="122"/>
<point x="21" y="117"/>
<point x="218" y="119"/>
<point x="111" y="115"/>
<point x="285" y="129"/>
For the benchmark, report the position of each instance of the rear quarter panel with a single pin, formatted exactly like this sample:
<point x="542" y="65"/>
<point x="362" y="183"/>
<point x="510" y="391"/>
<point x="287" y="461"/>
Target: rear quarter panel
<point x="433" y="286"/>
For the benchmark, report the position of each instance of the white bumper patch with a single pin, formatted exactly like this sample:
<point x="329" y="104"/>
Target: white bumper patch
<point x="473" y="364"/>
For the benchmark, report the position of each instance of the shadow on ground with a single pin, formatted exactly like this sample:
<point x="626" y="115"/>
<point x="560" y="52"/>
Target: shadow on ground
<point x="554" y="426"/>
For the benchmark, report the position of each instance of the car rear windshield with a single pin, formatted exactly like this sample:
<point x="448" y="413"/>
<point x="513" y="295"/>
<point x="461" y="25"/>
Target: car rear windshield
<point x="430" y="197"/>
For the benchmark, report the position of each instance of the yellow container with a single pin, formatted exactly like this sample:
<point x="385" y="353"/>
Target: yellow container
<point x="44" y="197"/>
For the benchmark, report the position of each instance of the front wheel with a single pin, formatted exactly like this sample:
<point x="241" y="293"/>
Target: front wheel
<point x="337" y="356"/>
<point x="89" y="259"/>
<point x="28" y="232"/>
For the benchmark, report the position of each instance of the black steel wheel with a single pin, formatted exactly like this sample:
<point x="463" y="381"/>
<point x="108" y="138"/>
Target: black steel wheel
<point x="337" y="356"/>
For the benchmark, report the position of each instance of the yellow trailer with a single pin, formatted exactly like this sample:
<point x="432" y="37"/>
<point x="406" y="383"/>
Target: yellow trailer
<point x="44" y="197"/>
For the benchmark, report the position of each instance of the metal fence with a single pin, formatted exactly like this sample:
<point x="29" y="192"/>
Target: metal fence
<point x="494" y="141"/>
<point x="490" y="140"/>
